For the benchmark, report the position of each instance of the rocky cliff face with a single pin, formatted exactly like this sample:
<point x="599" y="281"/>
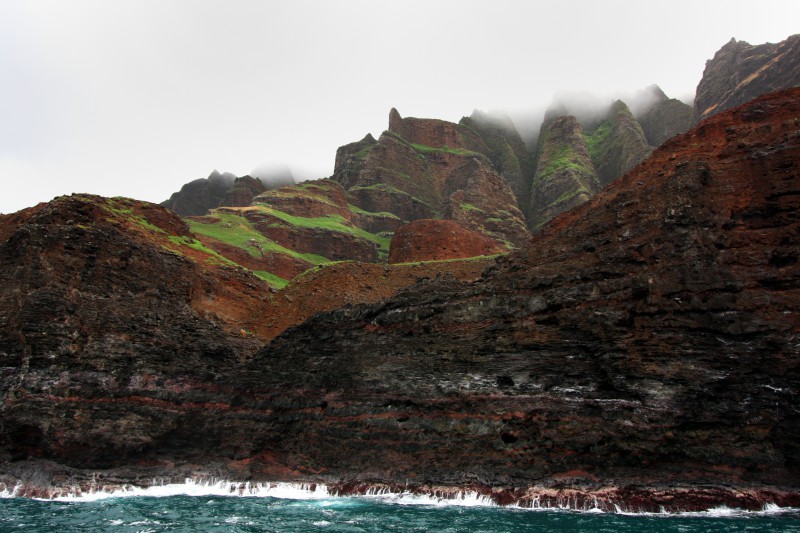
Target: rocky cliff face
<point x="242" y="192"/>
<point x="105" y="303"/>
<point x="507" y="152"/>
<point x="349" y="160"/>
<point x="577" y="157"/>
<point x="647" y="338"/>
<point x="426" y="168"/>
<point x="617" y="144"/>
<point x="643" y="350"/>
<point x="739" y="72"/>
<point x="565" y="175"/>
<point x="198" y="196"/>
<point x="426" y="240"/>
<point x="664" y="118"/>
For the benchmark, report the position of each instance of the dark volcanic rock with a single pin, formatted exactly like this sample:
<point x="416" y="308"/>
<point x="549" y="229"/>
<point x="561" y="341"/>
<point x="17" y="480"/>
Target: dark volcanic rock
<point x="198" y="196"/>
<point x="664" y="118"/>
<point x="565" y="175"/>
<point x="648" y="338"/>
<point x="427" y="168"/>
<point x="242" y="192"/>
<point x="643" y="350"/>
<point x="617" y="144"/>
<point x="739" y="72"/>
<point x="104" y="322"/>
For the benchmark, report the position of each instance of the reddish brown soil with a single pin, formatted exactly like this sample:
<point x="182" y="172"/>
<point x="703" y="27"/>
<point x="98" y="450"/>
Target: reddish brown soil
<point x="282" y="265"/>
<point x="427" y="239"/>
<point x="336" y="285"/>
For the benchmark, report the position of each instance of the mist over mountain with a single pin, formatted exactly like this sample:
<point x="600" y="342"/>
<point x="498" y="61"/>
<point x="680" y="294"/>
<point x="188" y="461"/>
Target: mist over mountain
<point x="274" y="175"/>
<point x="606" y="314"/>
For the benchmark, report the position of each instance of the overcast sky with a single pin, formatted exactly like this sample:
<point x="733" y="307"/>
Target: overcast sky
<point x="136" y="98"/>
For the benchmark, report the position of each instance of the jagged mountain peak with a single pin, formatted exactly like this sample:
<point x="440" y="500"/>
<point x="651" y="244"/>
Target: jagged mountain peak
<point x="739" y="72"/>
<point x="655" y="92"/>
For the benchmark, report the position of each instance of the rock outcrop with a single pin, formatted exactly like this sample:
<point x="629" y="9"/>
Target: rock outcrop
<point x="642" y="351"/>
<point x="740" y="71"/>
<point x="646" y="339"/>
<point x="565" y="175"/>
<point x="507" y="152"/>
<point x="427" y="168"/>
<point x="198" y="196"/>
<point x="426" y="240"/>
<point x="103" y="303"/>
<point x="242" y="192"/>
<point x="617" y="144"/>
<point x="664" y="118"/>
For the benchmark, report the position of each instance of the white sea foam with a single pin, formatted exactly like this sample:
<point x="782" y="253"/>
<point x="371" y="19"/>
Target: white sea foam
<point x="461" y="499"/>
<point x="717" y="512"/>
<point x="325" y="497"/>
<point x="192" y="487"/>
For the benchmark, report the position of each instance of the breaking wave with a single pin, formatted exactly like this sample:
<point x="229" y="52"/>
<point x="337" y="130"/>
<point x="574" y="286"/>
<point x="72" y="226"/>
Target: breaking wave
<point x="328" y="496"/>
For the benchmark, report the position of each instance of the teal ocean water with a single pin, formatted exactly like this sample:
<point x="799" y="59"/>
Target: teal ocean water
<point x="296" y="510"/>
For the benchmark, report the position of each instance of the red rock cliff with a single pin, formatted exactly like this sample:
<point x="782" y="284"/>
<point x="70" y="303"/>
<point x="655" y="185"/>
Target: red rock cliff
<point x="647" y="338"/>
<point x="643" y="350"/>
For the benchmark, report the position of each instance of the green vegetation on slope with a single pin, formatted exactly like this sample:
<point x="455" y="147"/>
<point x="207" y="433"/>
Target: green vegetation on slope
<point x="470" y="207"/>
<point x="123" y="208"/>
<point x="214" y="257"/>
<point x="445" y="149"/>
<point x="564" y="158"/>
<point x="596" y="142"/>
<point x="331" y="223"/>
<point x="384" y="214"/>
<point x="272" y="279"/>
<point x="317" y="190"/>
<point x="236" y="230"/>
<point x="362" y="154"/>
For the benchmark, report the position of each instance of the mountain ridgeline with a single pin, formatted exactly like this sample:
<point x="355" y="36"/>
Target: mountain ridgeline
<point x="642" y="351"/>
<point x="475" y="177"/>
<point x="592" y="319"/>
<point x="478" y="174"/>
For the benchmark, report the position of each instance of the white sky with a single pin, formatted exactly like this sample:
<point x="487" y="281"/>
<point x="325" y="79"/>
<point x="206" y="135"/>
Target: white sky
<point x="136" y="98"/>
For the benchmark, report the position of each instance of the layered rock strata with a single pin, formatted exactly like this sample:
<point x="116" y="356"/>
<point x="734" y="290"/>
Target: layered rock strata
<point x="427" y="168"/>
<point x="664" y="118"/>
<point x="617" y="144"/>
<point x="739" y="72"/>
<point x="507" y="152"/>
<point x="425" y="240"/>
<point x="646" y="339"/>
<point x="643" y="347"/>
<point x="565" y="175"/>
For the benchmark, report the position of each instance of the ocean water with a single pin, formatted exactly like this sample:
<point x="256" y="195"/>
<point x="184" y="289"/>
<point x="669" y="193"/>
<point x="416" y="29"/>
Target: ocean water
<point x="292" y="509"/>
